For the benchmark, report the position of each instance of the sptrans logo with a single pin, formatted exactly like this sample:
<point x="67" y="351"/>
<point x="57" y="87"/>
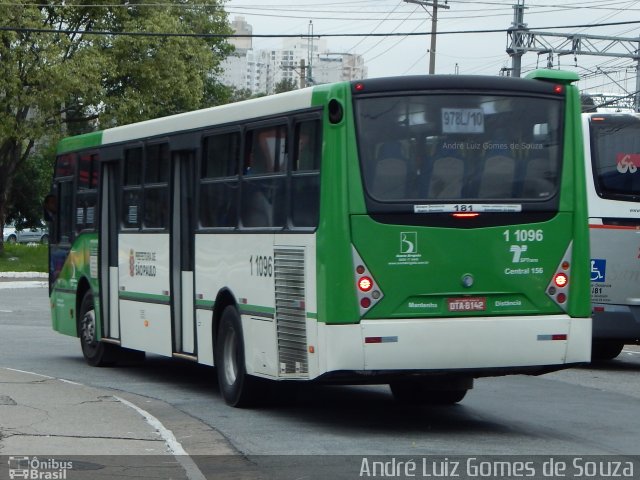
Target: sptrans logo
<point x="38" y="469"/>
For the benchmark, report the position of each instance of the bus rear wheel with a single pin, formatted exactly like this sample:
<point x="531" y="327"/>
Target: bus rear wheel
<point x="238" y="389"/>
<point x="426" y="393"/>
<point x="606" y="349"/>
<point x="95" y="352"/>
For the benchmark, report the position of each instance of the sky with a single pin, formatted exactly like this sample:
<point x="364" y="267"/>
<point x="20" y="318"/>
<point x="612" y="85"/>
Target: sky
<point x="469" y="53"/>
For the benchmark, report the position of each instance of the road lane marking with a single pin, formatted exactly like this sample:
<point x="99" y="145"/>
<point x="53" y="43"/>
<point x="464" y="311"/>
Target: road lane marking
<point x="70" y="382"/>
<point x="29" y="373"/>
<point x="175" y="447"/>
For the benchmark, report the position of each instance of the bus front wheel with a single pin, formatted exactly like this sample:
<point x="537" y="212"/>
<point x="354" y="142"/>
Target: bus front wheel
<point x="238" y="389"/>
<point x="96" y="353"/>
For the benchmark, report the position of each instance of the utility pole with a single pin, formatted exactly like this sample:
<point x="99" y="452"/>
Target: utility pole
<point x="434" y="22"/>
<point x="303" y="74"/>
<point x="311" y="54"/>
<point x="637" y="103"/>
<point x="574" y="44"/>
<point x="517" y="28"/>
<point x="309" y="71"/>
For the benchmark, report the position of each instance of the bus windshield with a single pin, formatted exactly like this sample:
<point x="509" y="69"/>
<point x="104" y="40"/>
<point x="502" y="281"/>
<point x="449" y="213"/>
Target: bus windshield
<point x="615" y="152"/>
<point x="459" y="147"/>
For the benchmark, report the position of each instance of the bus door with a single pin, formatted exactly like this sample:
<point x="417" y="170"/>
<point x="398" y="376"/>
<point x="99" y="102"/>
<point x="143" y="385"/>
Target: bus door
<point x="182" y="258"/>
<point x="109" y="250"/>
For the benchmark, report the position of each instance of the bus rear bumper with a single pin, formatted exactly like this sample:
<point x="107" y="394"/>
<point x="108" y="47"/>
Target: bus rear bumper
<point x="513" y="344"/>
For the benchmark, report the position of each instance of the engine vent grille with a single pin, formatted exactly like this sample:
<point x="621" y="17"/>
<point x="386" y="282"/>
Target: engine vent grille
<point x="291" y="312"/>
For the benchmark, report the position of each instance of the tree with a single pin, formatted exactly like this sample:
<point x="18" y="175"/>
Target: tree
<point x="285" y="85"/>
<point x="240" y="94"/>
<point x="30" y="185"/>
<point x="70" y="81"/>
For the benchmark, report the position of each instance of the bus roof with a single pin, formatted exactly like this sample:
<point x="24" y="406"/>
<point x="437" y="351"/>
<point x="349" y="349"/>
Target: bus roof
<point x="475" y="82"/>
<point x="297" y="100"/>
<point x="232" y="112"/>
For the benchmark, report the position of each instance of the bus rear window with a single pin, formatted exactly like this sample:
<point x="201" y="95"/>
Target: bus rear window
<point x="460" y="147"/>
<point x="615" y="154"/>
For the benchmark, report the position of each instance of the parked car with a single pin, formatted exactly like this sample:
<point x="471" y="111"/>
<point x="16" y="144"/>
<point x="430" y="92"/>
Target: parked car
<point x="26" y="235"/>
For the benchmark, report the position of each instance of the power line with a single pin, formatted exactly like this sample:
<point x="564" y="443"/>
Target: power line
<point x="293" y="35"/>
<point x="376" y="27"/>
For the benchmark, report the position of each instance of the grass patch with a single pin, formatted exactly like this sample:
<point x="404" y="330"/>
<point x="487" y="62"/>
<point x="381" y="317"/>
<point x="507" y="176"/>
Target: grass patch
<point x="24" y="258"/>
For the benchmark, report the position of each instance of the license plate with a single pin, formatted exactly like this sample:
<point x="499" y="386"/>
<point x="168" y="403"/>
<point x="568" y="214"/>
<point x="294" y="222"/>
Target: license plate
<point x="467" y="304"/>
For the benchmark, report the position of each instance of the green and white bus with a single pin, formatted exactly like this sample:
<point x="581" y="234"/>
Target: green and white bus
<point x="612" y="156"/>
<point x="413" y="231"/>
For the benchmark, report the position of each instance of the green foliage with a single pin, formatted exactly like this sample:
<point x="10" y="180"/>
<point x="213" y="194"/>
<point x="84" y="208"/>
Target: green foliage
<point x="24" y="258"/>
<point x="30" y="185"/>
<point x="285" y="85"/>
<point x="153" y="76"/>
<point x="239" y="94"/>
<point x="57" y="84"/>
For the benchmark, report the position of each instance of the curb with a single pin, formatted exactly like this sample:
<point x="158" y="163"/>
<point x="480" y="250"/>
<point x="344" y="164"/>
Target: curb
<point x="29" y="275"/>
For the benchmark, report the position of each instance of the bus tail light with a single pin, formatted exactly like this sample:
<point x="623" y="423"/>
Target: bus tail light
<point x="561" y="280"/>
<point x="558" y="288"/>
<point x="365" y="284"/>
<point x="367" y="290"/>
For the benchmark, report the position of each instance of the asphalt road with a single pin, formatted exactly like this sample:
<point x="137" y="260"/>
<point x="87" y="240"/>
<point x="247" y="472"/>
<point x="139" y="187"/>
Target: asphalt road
<point x="585" y="411"/>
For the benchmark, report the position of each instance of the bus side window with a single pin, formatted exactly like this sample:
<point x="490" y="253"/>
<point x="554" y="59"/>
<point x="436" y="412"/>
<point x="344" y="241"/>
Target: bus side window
<point x="263" y="202"/>
<point x="62" y="224"/>
<point x="87" y="182"/>
<point x="218" y="205"/>
<point x="305" y="181"/>
<point x="156" y="186"/>
<point x="65" y="214"/>
<point x="132" y="188"/>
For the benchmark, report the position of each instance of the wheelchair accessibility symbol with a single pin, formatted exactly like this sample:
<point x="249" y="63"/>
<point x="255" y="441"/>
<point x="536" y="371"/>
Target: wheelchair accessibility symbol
<point x="598" y="270"/>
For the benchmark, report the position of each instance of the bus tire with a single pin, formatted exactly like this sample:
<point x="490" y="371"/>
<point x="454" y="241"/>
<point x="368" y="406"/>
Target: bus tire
<point x="238" y="389"/>
<point x="416" y="393"/>
<point x="95" y="352"/>
<point x="606" y="349"/>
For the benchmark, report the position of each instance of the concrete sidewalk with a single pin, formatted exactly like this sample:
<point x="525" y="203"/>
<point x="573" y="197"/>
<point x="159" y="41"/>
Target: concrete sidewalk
<point x="105" y="434"/>
<point x="41" y="415"/>
<point x="23" y="280"/>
